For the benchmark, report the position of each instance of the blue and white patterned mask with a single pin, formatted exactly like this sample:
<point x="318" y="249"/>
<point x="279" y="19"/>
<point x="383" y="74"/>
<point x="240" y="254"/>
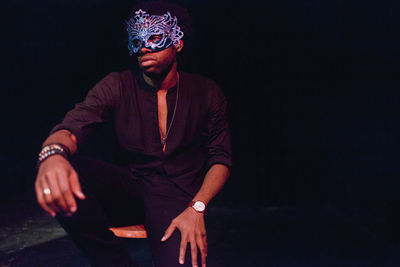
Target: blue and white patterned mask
<point x="154" y="32"/>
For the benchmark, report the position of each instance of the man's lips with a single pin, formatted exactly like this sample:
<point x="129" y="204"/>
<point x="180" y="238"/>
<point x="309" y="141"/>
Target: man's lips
<point x="146" y="61"/>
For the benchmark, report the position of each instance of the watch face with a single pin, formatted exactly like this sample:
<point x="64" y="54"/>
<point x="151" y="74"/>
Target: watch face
<point x="199" y="206"/>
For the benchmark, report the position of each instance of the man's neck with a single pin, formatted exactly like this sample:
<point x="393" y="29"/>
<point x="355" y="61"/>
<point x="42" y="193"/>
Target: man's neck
<point x="162" y="82"/>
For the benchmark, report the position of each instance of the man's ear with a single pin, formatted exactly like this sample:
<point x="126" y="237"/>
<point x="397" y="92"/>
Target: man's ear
<point x="179" y="46"/>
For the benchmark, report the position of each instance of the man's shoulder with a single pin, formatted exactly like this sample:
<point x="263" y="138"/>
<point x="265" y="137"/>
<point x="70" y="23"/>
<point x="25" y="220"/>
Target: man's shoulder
<point x="124" y="74"/>
<point x="199" y="82"/>
<point x="119" y="75"/>
<point x="125" y="79"/>
<point x="195" y="77"/>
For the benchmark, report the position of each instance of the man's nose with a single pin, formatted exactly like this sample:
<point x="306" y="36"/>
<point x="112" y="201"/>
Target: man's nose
<point x="144" y="50"/>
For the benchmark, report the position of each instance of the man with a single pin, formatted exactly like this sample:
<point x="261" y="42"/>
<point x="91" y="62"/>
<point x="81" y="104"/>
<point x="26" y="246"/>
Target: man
<point x="173" y="155"/>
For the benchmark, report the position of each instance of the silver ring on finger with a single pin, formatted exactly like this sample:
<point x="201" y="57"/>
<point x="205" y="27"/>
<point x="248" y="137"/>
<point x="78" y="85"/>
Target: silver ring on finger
<point x="46" y="191"/>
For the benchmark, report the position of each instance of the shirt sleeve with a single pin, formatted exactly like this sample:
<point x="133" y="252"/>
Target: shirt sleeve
<point x="96" y="109"/>
<point x="219" y="148"/>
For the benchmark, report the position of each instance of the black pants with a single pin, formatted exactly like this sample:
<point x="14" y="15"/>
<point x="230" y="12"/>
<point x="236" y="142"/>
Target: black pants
<point x="115" y="197"/>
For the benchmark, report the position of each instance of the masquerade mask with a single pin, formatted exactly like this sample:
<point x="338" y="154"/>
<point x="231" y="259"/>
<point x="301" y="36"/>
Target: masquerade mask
<point x="154" y="32"/>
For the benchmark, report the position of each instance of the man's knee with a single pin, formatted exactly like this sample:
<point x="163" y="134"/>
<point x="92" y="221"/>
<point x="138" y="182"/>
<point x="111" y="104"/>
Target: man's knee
<point x="83" y="164"/>
<point x="91" y="171"/>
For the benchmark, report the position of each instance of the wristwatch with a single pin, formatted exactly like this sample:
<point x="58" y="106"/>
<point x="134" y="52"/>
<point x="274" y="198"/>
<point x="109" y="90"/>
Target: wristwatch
<point x="198" y="206"/>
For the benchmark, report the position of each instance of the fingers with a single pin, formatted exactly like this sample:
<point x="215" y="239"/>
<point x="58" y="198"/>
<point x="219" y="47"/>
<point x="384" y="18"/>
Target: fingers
<point x="205" y="245"/>
<point x="196" y="243"/>
<point x="48" y="197"/>
<point x="171" y="228"/>
<point x="56" y="197"/>
<point x="182" y="249"/>
<point x="193" y="248"/>
<point x="66" y="193"/>
<point x="201" y="241"/>
<point x="40" y="198"/>
<point x="75" y="185"/>
<point x="55" y="189"/>
<point x="192" y="228"/>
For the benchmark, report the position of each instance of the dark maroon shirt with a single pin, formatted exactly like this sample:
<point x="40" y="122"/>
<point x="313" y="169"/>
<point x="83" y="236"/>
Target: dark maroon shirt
<point x="198" y="138"/>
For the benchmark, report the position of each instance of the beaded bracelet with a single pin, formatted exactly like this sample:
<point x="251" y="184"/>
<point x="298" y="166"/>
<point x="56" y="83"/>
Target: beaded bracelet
<point x="53" y="149"/>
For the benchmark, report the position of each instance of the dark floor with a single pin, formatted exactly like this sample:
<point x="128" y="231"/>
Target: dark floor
<point x="237" y="237"/>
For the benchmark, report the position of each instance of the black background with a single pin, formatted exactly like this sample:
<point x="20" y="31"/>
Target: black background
<point x="312" y="88"/>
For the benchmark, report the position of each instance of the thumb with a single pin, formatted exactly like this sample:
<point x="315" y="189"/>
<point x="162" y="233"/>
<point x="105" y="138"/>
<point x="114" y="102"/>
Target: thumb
<point x="171" y="228"/>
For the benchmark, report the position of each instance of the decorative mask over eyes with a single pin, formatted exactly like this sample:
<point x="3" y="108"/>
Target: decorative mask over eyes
<point x="154" y="32"/>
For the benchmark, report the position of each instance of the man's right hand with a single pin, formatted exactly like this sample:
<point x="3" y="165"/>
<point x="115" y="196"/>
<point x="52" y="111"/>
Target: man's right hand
<point x="56" y="185"/>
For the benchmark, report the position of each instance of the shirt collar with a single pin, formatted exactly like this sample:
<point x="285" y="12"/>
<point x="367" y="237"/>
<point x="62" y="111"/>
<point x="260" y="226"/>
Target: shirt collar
<point x="145" y="86"/>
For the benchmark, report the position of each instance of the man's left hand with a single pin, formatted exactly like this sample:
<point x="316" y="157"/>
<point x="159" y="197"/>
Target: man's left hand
<point x="192" y="227"/>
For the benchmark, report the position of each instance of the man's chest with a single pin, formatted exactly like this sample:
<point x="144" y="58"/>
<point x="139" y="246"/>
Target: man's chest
<point x="143" y="119"/>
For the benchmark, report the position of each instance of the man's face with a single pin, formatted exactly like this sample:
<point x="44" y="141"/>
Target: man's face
<point x="157" y="62"/>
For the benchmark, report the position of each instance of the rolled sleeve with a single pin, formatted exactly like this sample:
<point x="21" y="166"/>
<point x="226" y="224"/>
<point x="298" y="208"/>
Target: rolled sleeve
<point x="219" y="150"/>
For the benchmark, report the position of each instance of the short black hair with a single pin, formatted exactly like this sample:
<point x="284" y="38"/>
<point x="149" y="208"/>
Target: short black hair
<point x="162" y="7"/>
